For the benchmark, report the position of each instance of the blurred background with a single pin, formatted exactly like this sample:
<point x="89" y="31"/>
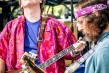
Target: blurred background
<point x="59" y="9"/>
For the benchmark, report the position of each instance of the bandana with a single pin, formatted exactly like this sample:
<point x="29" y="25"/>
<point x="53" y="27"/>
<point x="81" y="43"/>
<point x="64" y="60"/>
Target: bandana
<point x="89" y="9"/>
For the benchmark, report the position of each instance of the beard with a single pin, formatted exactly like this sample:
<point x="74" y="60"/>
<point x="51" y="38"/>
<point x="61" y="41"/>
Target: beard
<point x="90" y="38"/>
<point x="87" y="37"/>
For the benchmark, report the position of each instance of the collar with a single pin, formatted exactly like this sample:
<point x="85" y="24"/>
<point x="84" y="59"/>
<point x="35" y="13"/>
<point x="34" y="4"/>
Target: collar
<point x="102" y="36"/>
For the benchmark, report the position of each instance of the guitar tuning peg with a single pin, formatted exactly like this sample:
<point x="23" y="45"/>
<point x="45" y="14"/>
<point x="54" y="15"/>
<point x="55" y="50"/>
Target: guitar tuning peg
<point x="25" y="68"/>
<point x="25" y="72"/>
<point x="32" y="56"/>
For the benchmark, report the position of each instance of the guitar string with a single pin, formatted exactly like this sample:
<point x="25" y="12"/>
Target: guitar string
<point x="46" y="64"/>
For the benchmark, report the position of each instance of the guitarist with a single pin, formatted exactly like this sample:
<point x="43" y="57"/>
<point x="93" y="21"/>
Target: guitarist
<point x="21" y="35"/>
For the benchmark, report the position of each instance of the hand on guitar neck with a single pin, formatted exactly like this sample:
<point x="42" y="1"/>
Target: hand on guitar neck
<point x="79" y="46"/>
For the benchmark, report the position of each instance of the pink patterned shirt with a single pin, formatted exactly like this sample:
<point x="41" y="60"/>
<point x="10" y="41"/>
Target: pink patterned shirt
<point x="56" y="38"/>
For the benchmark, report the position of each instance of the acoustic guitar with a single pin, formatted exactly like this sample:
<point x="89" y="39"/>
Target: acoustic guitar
<point x="39" y="69"/>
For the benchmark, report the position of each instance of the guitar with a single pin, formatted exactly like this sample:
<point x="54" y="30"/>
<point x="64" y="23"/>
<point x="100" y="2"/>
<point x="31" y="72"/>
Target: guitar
<point x="48" y="62"/>
<point x="39" y="69"/>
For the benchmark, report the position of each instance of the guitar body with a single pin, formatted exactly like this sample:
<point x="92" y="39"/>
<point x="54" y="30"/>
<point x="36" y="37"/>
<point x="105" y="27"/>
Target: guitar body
<point x="30" y="65"/>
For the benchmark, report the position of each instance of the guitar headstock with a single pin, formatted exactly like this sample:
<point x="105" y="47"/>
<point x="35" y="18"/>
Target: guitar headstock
<point x="31" y="56"/>
<point x="28" y="63"/>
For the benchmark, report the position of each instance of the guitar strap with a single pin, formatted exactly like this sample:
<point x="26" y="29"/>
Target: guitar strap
<point x="42" y="28"/>
<point x="75" y="65"/>
<point x="39" y="40"/>
<point x="91" y="51"/>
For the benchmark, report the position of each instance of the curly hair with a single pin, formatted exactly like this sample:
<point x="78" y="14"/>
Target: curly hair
<point x="95" y="24"/>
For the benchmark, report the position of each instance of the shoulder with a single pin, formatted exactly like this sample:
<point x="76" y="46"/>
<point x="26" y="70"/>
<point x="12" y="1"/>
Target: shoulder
<point x="103" y="44"/>
<point x="55" y="23"/>
<point x="14" y="22"/>
<point x="102" y="51"/>
<point x="18" y="19"/>
<point x="52" y="20"/>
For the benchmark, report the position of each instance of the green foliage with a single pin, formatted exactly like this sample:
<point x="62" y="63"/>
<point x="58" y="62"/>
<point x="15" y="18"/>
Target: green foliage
<point x="57" y="10"/>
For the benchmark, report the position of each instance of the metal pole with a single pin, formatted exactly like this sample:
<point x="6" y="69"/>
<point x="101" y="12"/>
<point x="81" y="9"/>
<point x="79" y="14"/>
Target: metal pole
<point x="72" y="16"/>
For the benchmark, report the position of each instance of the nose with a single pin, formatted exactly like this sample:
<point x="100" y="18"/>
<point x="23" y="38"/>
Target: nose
<point x="79" y="27"/>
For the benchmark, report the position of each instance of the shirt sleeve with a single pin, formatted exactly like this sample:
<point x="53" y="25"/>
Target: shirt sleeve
<point x="65" y="38"/>
<point x="4" y="39"/>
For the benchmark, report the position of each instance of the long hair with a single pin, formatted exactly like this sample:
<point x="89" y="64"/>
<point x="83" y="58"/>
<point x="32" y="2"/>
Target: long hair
<point x="42" y="5"/>
<point x="95" y="24"/>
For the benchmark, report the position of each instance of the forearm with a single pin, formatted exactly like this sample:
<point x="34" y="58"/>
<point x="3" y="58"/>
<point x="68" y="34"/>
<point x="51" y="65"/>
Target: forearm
<point x="2" y="67"/>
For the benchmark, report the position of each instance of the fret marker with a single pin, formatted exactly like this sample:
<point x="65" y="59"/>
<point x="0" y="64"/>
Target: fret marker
<point x="60" y="55"/>
<point x="53" y="58"/>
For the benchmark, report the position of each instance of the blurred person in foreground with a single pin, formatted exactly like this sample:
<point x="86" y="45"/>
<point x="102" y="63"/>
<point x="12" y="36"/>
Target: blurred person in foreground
<point x="93" y="21"/>
<point x="21" y="35"/>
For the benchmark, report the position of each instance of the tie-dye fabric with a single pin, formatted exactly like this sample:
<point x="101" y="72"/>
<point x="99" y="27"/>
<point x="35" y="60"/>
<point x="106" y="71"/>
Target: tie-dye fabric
<point x="56" y="38"/>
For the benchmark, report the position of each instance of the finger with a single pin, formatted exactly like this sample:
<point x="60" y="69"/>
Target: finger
<point x="79" y="48"/>
<point x="82" y="42"/>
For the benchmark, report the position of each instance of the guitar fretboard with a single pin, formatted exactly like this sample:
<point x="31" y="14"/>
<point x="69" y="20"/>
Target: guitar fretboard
<point x="56" y="57"/>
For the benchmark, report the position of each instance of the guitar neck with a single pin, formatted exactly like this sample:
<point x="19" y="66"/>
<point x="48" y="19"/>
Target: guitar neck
<point x="48" y="62"/>
<point x="56" y="57"/>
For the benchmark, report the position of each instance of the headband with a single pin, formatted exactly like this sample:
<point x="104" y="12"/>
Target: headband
<point x="89" y="9"/>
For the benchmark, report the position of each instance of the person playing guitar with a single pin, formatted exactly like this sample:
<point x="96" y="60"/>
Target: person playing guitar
<point x="22" y="34"/>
